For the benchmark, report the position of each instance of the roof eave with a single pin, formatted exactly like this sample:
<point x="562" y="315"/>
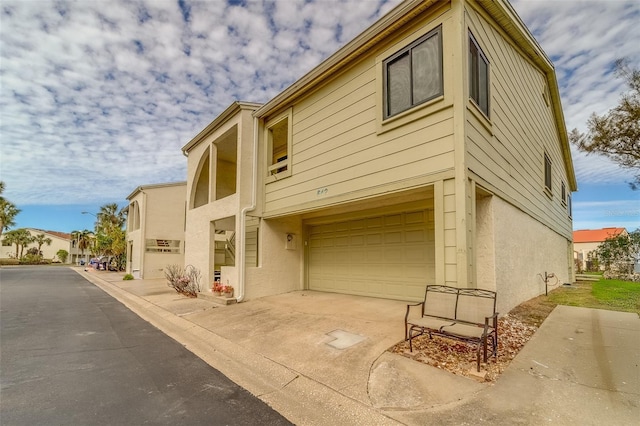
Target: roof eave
<point x="154" y="186"/>
<point x="231" y="110"/>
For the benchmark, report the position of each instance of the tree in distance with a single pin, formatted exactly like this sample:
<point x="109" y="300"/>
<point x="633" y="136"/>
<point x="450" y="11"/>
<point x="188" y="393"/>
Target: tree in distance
<point x="616" y="134"/>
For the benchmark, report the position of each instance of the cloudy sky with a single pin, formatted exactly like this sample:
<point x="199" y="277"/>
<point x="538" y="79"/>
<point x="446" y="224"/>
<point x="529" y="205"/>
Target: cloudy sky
<point x="98" y="97"/>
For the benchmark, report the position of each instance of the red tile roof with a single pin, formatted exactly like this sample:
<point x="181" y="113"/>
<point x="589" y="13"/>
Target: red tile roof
<point x="63" y="235"/>
<point x="595" y="235"/>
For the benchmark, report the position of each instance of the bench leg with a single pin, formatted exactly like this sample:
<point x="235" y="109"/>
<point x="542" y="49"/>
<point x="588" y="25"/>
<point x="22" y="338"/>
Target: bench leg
<point x="411" y="335"/>
<point x="411" y="339"/>
<point x="484" y="341"/>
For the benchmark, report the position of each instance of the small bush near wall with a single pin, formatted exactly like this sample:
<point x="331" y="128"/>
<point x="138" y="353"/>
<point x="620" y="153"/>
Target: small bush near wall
<point x="617" y="275"/>
<point x="183" y="280"/>
<point x="34" y="259"/>
<point x="127" y="277"/>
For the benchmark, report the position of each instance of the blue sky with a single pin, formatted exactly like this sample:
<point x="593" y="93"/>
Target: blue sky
<point x="97" y="98"/>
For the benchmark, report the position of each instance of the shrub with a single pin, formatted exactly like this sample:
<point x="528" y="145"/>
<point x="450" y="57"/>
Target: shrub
<point x="34" y="259"/>
<point x="127" y="277"/>
<point x="183" y="280"/>
<point x="62" y="255"/>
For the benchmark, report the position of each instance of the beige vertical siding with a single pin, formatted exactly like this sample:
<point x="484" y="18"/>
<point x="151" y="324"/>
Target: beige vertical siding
<point x="506" y="154"/>
<point x="450" y="252"/>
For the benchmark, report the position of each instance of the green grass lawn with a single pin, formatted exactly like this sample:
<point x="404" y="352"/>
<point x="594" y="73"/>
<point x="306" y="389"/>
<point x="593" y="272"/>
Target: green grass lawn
<point x="614" y="295"/>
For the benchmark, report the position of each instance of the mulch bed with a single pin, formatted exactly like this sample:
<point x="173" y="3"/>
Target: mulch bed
<point x="460" y="358"/>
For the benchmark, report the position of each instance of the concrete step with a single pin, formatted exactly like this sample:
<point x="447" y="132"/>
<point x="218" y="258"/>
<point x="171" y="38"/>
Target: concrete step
<point x="587" y="277"/>
<point x="220" y="300"/>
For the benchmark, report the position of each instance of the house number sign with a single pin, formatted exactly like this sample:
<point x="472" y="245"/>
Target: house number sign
<point x="321" y="192"/>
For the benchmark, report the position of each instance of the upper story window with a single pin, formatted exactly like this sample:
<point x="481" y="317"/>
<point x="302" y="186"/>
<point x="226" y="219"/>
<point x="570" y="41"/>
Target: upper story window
<point x="478" y="76"/>
<point x="278" y="137"/>
<point x="413" y="75"/>
<point x="547" y="173"/>
<point x="563" y="194"/>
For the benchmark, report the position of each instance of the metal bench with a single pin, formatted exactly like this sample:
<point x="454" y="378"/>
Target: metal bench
<point x="463" y="314"/>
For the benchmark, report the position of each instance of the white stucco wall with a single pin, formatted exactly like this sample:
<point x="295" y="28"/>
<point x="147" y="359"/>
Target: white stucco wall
<point x="584" y="249"/>
<point x="281" y="269"/>
<point x="524" y="250"/>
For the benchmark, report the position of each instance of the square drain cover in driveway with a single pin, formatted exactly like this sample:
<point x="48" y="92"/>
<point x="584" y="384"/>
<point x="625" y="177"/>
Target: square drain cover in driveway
<point x="344" y="339"/>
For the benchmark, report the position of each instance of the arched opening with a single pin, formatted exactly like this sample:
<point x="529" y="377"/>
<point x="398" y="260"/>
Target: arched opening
<point x="201" y="187"/>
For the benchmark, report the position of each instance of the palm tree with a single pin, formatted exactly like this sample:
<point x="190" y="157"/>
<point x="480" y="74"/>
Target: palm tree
<point x="21" y="238"/>
<point x="42" y="239"/>
<point x="110" y="218"/>
<point x="11" y="238"/>
<point x="83" y="239"/>
<point x="25" y="238"/>
<point x="110" y="234"/>
<point x="8" y="212"/>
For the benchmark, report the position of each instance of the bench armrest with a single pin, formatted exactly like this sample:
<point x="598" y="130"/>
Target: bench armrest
<point x="406" y="317"/>
<point x="494" y="325"/>
<point x="495" y="320"/>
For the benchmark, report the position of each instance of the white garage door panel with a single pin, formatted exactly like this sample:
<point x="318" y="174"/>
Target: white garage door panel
<point x="385" y="256"/>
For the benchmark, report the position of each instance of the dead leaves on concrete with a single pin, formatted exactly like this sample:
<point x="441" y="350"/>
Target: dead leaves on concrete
<point x="460" y="358"/>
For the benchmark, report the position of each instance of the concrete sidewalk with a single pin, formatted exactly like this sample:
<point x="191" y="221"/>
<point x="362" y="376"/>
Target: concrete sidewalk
<point x="320" y="358"/>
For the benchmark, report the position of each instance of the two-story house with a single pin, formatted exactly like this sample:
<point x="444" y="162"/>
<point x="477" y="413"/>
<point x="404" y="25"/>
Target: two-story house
<point x="155" y="229"/>
<point x="430" y="149"/>
<point x="221" y="188"/>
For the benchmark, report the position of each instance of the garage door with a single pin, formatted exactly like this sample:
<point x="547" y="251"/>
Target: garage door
<point x="390" y="256"/>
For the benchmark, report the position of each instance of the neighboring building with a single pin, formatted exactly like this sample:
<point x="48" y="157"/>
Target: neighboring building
<point x="59" y="241"/>
<point x="155" y="229"/>
<point x="430" y="149"/>
<point x="220" y="187"/>
<point x="586" y="241"/>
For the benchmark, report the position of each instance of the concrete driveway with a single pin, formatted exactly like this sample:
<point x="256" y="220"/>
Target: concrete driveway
<point x="320" y="358"/>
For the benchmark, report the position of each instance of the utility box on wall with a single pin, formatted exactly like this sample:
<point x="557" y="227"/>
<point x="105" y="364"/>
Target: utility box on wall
<point x="291" y="243"/>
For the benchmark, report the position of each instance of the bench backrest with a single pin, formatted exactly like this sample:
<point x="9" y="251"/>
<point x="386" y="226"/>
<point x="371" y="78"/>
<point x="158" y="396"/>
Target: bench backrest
<point x="464" y="304"/>
<point x="474" y="305"/>
<point x="440" y="301"/>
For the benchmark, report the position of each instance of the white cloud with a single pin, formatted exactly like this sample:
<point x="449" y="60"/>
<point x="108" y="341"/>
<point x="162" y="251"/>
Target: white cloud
<point x="99" y="97"/>
<point x="584" y="39"/>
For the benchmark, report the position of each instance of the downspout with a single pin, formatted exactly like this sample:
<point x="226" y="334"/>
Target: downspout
<point x="243" y="213"/>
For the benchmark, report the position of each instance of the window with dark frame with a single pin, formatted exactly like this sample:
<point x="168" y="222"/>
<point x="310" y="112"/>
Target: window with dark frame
<point x="563" y="193"/>
<point x="547" y="173"/>
<point x="413" y="75"/>
<point x="569" y="207"/>
<point x="478" y="76"/>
